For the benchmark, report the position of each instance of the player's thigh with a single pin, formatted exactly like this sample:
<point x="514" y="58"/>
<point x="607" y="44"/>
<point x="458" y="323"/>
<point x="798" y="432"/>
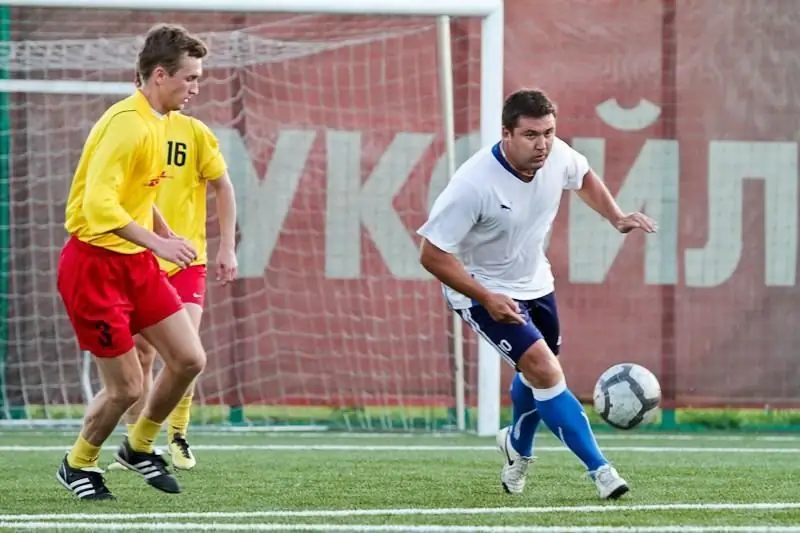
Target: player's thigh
<point x="544" y="314"/>
<point x="160" y="317"/>
<point x="510" y="340"/>
<point x="121" y="376"/>
<point x="93" y="286"/>
<point x="195" y="313"/>
<point x="177" y="341"/>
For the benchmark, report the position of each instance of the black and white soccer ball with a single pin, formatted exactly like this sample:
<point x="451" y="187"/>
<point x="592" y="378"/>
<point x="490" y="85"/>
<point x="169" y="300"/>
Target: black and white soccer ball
<point x="627" y="395"/>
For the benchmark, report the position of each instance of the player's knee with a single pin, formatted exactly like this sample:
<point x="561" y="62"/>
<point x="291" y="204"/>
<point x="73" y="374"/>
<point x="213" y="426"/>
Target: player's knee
<point x="196" y="364"/>
<point x="189" y="360"/>
<point x="540" y="366"/>
<point x="125" y="392"/>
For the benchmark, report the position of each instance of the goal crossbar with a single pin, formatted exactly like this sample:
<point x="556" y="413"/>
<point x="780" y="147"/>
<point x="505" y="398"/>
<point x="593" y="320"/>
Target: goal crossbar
<point x="455" y="8"/>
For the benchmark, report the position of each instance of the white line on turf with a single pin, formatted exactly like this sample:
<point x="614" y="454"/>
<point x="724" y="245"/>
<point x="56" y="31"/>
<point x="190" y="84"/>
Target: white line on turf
<point x="358" y="528"/>
<point x="416" y="448"/>
<point x="260" y="433"/>
<point x="255" y="432"/>
<point x="473" y="511"/>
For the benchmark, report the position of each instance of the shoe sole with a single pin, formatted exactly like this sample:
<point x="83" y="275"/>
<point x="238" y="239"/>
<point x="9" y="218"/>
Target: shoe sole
<point x="619" y="491"/>
<point x="129" y="466"/>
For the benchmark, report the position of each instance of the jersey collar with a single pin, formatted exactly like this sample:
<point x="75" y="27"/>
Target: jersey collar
<point x="144" y="107"/>
<point x="497" y="152"/>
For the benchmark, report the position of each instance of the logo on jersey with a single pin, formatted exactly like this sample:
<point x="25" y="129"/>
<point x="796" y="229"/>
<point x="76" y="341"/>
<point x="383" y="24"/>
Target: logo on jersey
<point x="155" y="181"/>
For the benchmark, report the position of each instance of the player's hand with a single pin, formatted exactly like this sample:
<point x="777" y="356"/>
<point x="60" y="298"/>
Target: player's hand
<point x="634" y="221"/>
<point x="176" y="250"/>
<point x="503" y="309"/>
<point x="226" y="264"/>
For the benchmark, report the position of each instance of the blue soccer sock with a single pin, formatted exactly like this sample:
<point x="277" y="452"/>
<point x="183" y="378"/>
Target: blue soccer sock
<point x="564" y="415"/>
<point x="526" y="417"/>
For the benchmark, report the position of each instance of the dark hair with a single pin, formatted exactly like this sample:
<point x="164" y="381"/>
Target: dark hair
<point x="526" y="103"/>
<point x="165" y="46"/>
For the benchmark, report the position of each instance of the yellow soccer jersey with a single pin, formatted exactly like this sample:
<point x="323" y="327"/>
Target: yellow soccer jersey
<point x="118" y="175"/>
<point x="193" y="158"/>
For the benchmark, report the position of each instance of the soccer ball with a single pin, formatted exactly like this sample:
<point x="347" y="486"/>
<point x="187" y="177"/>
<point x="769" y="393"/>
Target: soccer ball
<point x="626" y="395"/>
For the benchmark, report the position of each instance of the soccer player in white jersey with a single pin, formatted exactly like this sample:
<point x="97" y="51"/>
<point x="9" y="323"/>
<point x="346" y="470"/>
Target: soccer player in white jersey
<point x="484" y="240"/>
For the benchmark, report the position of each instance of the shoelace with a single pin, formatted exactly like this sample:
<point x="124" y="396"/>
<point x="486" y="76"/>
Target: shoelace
<point x="601" y="474"/>
<point x="181" y="443"/>
<point x="524" y="463"/>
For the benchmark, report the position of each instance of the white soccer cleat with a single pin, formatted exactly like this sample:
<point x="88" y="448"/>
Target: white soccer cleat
<point x="610" y="484"/>
<point x="512" y="476"/>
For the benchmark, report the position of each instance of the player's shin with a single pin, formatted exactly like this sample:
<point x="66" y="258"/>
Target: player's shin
<point x="564" y="415"/>
<point x="176" y="339"/>
<point x="85" y="453"/>
<point x="168" y="389"/>
<point x="104" y="412"/>
<point x="178" y="421"/>
<point x="525" y="415"/>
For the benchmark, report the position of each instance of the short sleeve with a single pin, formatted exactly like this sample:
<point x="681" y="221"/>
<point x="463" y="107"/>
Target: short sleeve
<point x="454" y="213"/>
<point x="210" y="162"/>
<point x="577" y="168"/>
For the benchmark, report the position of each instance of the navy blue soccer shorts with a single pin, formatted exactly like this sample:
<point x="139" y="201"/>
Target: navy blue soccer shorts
<point x="513" y="340"/>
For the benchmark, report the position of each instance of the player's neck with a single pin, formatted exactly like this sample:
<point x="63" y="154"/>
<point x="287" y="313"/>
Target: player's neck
<point x="155" y="104"/>
<point x="527" y="175"/>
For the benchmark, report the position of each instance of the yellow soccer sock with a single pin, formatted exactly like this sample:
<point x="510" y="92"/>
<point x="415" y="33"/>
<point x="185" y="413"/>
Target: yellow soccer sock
<point x="143" y="434"/>
<point x="178" y="421"/>
<point x="130" y="427"/>
<point x="83" y="454"/>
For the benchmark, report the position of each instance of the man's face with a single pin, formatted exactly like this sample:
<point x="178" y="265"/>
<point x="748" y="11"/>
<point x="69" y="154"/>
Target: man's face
<point x="530" y="142"/>
<point x="176" y="90"/>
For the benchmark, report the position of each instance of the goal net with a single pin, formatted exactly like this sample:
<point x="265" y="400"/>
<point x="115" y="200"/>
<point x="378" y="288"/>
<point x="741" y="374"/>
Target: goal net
<point x="332" y="129"/>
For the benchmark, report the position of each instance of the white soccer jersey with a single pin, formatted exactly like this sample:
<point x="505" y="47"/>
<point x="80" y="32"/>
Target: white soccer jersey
<point x="496" y="223"/>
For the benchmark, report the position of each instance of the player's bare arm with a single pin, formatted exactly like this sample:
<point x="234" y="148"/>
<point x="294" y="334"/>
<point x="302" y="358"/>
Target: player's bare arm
<point x="183" y="247"/>
<point x="447" y="269"/>
<point x="227" y="265"/>
<point x="174" y="249"/>
<point x="597" y="196"/>
<point x="160" y="226"/>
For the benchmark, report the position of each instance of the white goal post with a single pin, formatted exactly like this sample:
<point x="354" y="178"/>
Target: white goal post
<point x="491" y="97"/>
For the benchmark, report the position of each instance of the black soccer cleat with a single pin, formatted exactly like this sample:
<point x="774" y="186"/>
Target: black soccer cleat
<point x="85" y="483"/>
<point x="151" y="466"/>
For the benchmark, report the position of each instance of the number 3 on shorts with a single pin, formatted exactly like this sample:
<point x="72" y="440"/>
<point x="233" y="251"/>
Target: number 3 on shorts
<point x="105" y="334"/>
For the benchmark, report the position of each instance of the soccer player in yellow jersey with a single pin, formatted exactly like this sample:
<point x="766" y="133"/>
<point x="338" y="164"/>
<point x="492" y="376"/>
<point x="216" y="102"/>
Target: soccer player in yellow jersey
<point x="193" y="160"/>
<point x="109" y="278"/>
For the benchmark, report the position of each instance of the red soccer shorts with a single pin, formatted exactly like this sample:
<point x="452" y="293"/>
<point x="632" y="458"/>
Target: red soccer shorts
<point x="190" y="283"/>
<point x="111" y="296"/>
